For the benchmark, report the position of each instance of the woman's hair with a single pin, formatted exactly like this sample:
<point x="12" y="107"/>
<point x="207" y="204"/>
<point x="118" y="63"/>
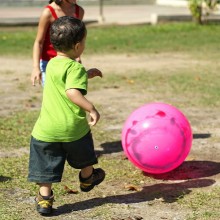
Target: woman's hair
<point x="58" y="2"/>
<point x="65" y="32"/>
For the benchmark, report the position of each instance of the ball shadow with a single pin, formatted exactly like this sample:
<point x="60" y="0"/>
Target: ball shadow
<point x="168" y="192"/>
<point x="190" y="170"/>
<point x="116" y="146"/>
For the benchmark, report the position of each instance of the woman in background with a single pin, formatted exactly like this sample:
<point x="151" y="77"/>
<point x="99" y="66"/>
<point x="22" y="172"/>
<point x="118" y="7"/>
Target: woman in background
<point x="43" y="50"/>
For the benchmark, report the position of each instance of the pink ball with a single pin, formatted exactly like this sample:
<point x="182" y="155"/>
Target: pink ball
<point x="156" y="138"/>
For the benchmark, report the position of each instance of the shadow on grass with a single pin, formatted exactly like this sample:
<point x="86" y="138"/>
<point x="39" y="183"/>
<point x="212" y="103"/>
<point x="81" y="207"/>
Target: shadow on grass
<point x="190" y="170"/>
<point x="4" y="178"/>
<point x="116" y="146"/>
<point x="109" y="148"/>
<point x="192" y="173"/>
<point x="201" y="136"/>
<point x="168" y="192"/>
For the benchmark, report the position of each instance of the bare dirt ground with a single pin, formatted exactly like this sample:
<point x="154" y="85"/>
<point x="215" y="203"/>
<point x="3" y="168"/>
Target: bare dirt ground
<point x="17" y="94"/>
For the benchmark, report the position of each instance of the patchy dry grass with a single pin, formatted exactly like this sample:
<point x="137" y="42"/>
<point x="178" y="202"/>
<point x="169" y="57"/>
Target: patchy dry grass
<point x="188" y="80"/>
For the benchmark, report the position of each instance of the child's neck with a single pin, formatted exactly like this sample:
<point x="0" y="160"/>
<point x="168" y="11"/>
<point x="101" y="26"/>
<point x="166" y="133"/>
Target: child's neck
<point x="64" y="55"/>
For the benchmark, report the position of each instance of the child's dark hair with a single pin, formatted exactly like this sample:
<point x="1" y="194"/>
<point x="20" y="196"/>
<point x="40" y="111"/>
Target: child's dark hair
<point x="65" y="32"/>
<point x="58" y="2"/>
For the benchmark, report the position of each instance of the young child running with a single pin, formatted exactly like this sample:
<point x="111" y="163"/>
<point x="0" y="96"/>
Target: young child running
<point x="43" y="50"/>
<point x="62" y="132"/>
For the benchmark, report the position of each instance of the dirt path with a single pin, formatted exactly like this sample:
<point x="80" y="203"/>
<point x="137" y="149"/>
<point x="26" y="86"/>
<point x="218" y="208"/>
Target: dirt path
<point x="17" y="92"/>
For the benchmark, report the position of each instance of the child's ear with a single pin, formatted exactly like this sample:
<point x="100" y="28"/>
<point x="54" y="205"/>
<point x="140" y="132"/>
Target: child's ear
<point x="76" y="46"/>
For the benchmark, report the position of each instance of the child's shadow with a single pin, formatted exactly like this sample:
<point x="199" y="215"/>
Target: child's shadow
<point x="168" y="192"/>
<point x="110" y="147"/>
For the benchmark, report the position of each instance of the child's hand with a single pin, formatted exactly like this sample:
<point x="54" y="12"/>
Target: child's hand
<point x="93" y="73"/>
<point x="94" y="114"/>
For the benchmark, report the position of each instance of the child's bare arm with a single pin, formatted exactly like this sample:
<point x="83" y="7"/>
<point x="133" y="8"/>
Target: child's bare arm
<point x="77" y="98"/>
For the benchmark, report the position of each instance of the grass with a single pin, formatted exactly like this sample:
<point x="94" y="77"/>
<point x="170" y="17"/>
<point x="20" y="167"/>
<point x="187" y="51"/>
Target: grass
<point x="184" y="37"/>
<point x="202" y="85"/>
<point x="199" y="200"/>
<point x="190" y="86"/>
<point x="17" y="41"/>
<point x="15" y="132"/>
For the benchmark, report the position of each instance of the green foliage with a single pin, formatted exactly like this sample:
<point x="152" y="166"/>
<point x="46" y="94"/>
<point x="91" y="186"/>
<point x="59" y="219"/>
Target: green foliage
<point x="197" y="6"/>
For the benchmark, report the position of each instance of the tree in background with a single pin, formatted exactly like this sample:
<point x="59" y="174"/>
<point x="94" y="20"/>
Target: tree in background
<point x="199" y="8"/>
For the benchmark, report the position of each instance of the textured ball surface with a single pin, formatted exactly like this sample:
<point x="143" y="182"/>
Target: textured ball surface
<point x="157" y="138"/>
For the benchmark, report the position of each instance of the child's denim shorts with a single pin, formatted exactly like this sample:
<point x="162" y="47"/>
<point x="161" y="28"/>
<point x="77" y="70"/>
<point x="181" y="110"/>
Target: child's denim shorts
<point x="46" y="163"/>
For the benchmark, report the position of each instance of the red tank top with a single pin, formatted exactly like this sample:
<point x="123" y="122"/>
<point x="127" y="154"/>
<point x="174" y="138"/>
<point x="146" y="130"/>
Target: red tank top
<point x="48" y="51"/>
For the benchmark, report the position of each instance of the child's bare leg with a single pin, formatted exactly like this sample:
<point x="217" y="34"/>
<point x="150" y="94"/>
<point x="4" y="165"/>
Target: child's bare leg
<point x="86" y="172"/>
<point x="45" y="189"/>
<point x="44" y="199"/>
<point x="90" y="177"/>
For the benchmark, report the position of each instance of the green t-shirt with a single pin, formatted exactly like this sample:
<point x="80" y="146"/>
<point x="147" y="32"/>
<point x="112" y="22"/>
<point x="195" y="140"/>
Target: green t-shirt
<point x="60" y="120"/>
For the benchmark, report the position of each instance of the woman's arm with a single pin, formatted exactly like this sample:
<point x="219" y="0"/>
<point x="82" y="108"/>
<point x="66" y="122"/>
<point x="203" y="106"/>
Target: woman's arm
<point x="44" y="22"/>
